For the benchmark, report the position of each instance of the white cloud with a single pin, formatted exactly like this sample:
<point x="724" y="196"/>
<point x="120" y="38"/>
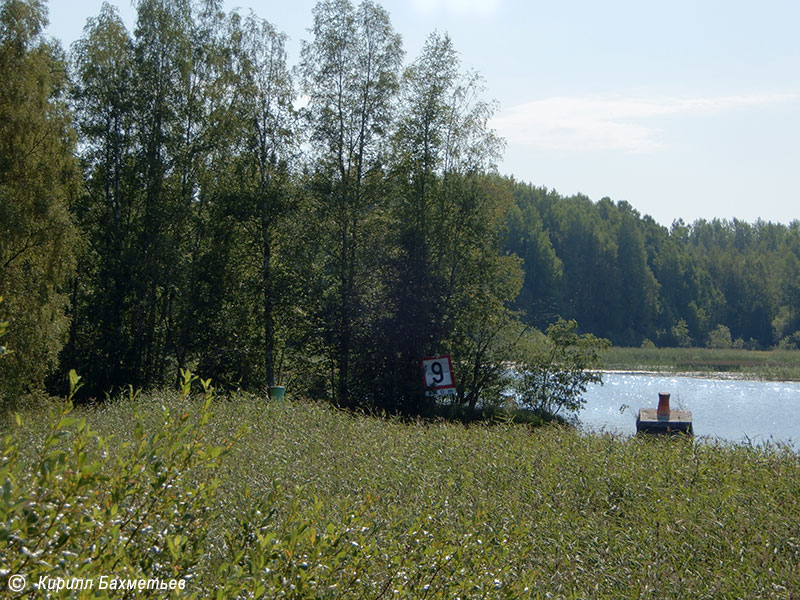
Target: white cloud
<point x="457" y="7"/>
<point x="592" y="123"/>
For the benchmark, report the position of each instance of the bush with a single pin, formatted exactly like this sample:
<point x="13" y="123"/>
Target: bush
<point x="79" y="510"/>
<point x="790" y="342"/>
<point x="680" y="334"/>
<point x="146" y="511"/>
<point x="555" y="369"/>
<point x="720" y="338"/>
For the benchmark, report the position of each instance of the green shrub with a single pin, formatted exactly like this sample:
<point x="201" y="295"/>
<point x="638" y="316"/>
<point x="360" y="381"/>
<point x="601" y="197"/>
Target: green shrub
<point x="790" y="342"/>
<point x="146" y="509"/>
<point x="83" y="509"/>
<point x="680" y="334"/>
<point x="555" y="369"/>
<point x="720" y="338"/>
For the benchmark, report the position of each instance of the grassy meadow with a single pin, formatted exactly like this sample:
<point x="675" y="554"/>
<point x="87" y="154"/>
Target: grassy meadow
<point x="247" y="499"/>
<point x="778" y="365"/>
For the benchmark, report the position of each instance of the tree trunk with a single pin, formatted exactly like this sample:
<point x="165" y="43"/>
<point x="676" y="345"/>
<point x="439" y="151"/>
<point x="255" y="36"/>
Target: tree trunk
<point x="266" y="282"/>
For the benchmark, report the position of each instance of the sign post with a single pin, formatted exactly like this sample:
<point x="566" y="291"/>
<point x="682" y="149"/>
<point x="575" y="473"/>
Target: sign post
<point x="437" y="376"/>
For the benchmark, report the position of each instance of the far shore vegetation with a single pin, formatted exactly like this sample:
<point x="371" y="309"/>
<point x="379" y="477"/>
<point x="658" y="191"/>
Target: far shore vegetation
<point x="775" y="365"/>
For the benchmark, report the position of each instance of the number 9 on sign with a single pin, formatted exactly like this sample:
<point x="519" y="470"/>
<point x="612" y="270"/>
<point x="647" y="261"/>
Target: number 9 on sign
<point x="437" y="372"/>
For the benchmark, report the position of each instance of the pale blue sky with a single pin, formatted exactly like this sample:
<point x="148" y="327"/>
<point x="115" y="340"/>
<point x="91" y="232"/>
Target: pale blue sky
<point x="685" y="109"/>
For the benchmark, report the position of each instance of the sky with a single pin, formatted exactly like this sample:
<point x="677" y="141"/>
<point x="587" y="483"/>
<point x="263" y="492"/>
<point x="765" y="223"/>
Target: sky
<point x="684" y="108"/>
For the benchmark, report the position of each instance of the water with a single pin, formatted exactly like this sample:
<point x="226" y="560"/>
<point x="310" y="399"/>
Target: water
<point x="729" y="409"/>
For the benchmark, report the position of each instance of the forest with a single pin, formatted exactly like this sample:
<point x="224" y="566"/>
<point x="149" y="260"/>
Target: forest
<point x="621" y="275"/>
<point x="180" y="197"/>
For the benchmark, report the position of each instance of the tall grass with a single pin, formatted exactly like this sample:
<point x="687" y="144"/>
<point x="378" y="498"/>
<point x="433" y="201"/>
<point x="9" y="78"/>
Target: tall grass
<point x="312" y="502"/>
<point x="782" y="365"/>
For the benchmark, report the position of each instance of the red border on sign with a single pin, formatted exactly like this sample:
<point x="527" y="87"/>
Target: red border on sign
<point x="449" y="364"/>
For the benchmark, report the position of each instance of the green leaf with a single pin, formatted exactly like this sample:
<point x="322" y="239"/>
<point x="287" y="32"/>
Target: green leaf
<point x="65" y="422"/>
<point x="74" y="378"/>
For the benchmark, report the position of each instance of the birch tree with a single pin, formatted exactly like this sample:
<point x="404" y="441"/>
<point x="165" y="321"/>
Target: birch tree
<point x="38" y="180"/>
<point x="350" y="71"/>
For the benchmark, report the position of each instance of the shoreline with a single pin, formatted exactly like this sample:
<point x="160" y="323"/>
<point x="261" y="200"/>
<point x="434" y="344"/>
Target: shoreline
<point x="719" y="364"/>
<point x="716" y="375"/>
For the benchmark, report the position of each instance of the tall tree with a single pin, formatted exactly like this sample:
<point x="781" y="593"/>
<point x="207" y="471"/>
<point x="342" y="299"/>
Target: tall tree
<point x="350" y="74"/>
<point x="196" y="144"/>
<point x="173" y="58"/>
<point x="267" y="138"/>
<point x="100" y="338"/>
<point x="416" y="288"/>
<point x="638" y="289"/>
<point x="147" y="108"/>
<point x="447" y="284"/>
<point x="38" y="178"/>
<point x="527" y="238"/>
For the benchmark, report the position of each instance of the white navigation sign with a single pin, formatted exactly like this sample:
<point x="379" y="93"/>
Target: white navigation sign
<point x="437" y="373"/>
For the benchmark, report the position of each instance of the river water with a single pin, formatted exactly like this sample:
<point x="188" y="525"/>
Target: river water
<point x="733" y="410"/>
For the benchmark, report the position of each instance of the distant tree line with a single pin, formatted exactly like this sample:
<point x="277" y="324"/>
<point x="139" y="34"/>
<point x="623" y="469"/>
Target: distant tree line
<point x="180" y="197"/>
<point x="627" y="278"/>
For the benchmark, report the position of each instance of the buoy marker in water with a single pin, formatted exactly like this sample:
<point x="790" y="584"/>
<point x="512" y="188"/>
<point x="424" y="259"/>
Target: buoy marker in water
<point x="663" y="404"/>
<point x="663" y="419"/>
